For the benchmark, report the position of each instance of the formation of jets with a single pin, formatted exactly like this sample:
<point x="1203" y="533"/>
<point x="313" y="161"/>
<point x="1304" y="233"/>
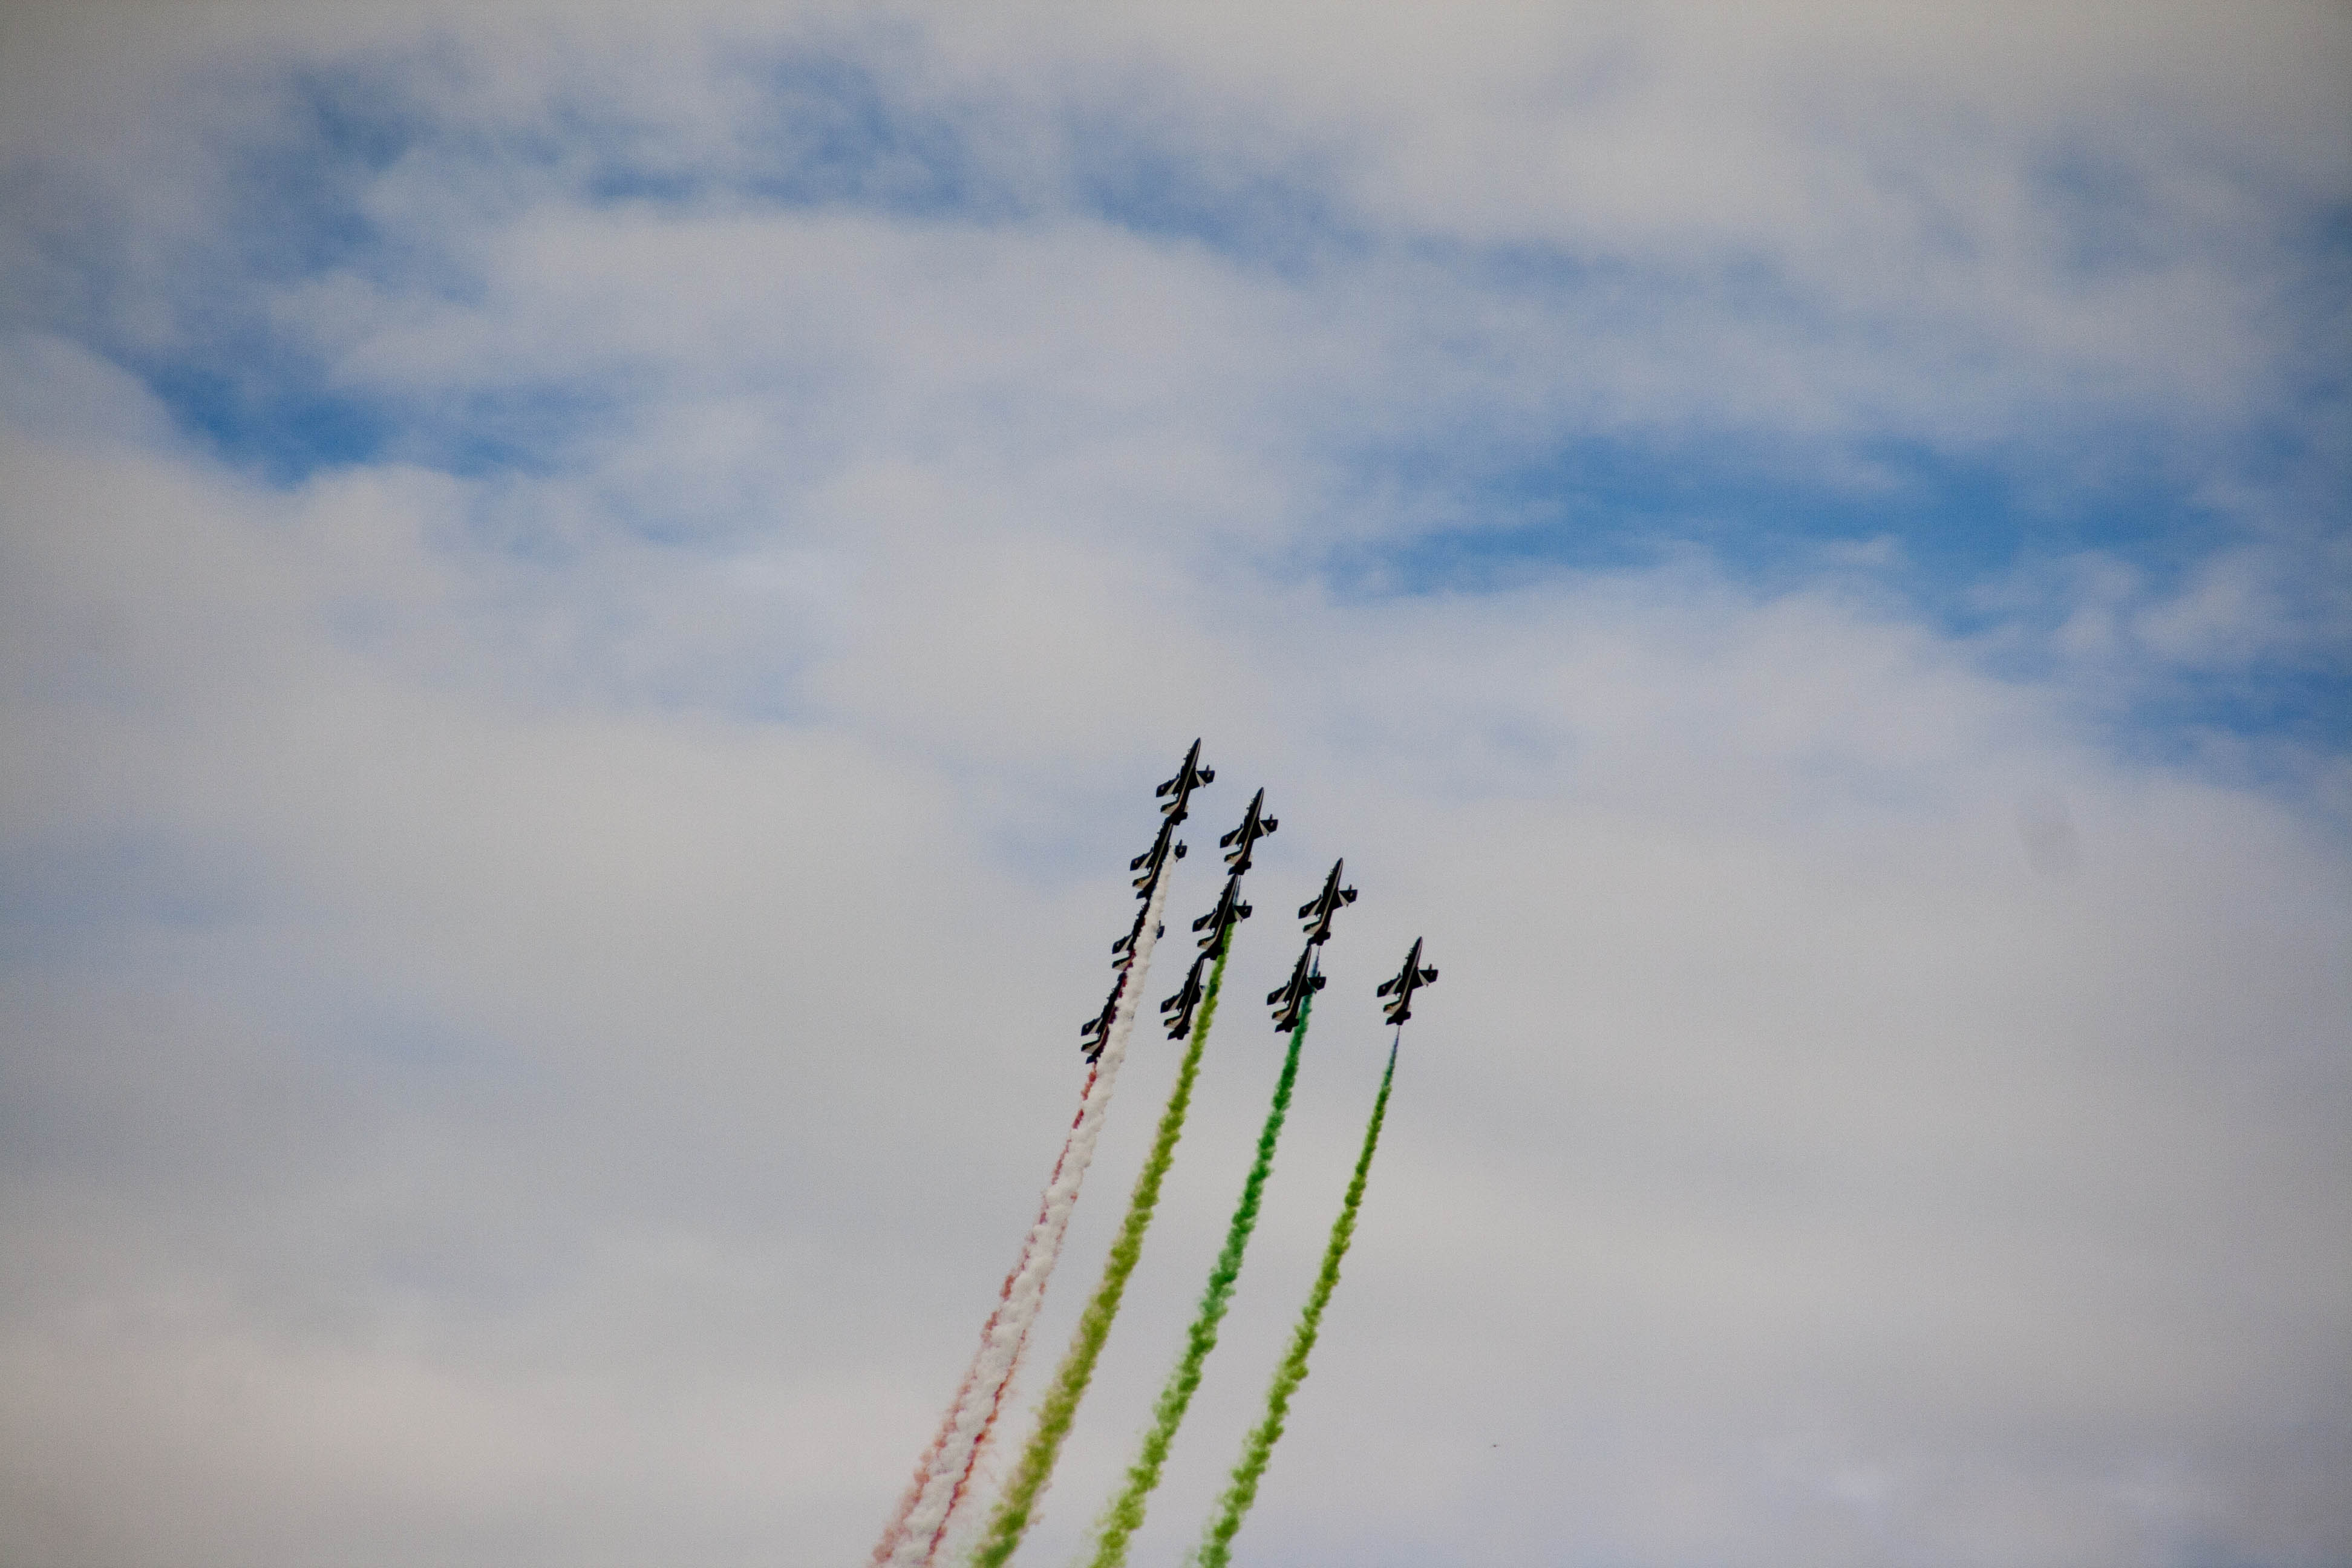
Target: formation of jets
<point x="1217" y="925"/>
<point x="1175" y="804"/>
<point x="1289" y="1000"/>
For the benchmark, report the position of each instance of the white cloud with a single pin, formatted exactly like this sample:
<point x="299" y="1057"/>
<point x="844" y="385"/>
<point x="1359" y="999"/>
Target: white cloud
<point x="468" y="1095"/>
<point x="1838" y="1132"/>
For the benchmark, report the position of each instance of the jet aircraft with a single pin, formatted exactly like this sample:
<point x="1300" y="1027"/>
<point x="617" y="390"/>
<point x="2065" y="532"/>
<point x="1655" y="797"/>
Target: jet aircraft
<point x="1177" y="791"/>
<point x="1220" y="921"/>
<point x="1149" y="864"/>
<point x="1174" y="795"/>
<point x="1122" y="951"/>
<point x="1253" y="828"/>
<point x="1400" y="990"/>
<point x="1096" y="1032"/>
<point x="1317" y="910"/>
<point x="1185" y="1000"/>
<point x="1288" y="999"/>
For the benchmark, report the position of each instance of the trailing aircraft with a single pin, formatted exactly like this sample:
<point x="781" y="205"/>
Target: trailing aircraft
<point x="1122" y="951"/>
<point x="1186" y="999"/>
<point x="1400" y="990"/>
<point x="1317" y="910"/>
<point x="1096" y="1032"/>
<point x="1153" y="861"/>
<point x="1253" y="828"/>
<point x="1220" y="921"/>
<point x="1289" y="998"/>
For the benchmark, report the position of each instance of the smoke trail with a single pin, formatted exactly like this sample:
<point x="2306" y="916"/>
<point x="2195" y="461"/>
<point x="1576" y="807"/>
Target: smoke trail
<point x="914" y="1536"/>
<point x="1125" y="1515"/>
<point x="1060" y="1406"/>
<point x="895" y="1535"/>
<point x="1215" y="1546"/>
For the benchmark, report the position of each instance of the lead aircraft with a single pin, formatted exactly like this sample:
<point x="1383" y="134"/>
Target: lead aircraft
<point x="1177" y="792"/>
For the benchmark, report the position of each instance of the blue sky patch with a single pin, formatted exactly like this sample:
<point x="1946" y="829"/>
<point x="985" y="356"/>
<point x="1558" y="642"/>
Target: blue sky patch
<point x="295" y="205"/>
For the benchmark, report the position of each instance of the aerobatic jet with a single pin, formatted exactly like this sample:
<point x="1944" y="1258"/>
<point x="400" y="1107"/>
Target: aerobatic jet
<point x="1177" y="791"/>
<point x="1153" y="861"/>
<point x="1400" y="990"/>
<point x="1288" y="999"/>
<point x="1219" y="922"/>
<point x="1096" y="1032"/>
<point x="1185" y="1000"/>
<point x="1253" y="828"/>
<point x="1122" y="951"/>
<point x="1317" y="910"/>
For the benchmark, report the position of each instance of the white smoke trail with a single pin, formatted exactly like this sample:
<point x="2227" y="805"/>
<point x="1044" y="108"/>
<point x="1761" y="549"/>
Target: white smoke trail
<point x="946" y="1482"/>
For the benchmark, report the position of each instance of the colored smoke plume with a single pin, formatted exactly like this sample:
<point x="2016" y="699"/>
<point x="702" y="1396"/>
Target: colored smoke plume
<point x="1125" y="1515"/>
<point x="1215" y="1550"/>
<point x="1016" y="1506"/>
<point x="943" y="1483"/>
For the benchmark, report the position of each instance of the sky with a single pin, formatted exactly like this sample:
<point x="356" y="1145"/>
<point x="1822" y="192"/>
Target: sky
<point x="590" y="603"/>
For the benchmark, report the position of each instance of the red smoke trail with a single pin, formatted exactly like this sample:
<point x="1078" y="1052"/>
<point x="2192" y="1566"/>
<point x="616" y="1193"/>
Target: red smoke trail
<point x="895" y="1535"/>
<point x="996" y="1401"/>
<point x="915" y="1535"/>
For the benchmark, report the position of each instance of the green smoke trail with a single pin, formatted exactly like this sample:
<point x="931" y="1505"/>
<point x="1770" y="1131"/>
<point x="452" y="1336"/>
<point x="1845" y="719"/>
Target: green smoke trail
<point x="1060" y="1406"/>
<point x="1215" y="1546"/>
<point x="1125" y="1515"/>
